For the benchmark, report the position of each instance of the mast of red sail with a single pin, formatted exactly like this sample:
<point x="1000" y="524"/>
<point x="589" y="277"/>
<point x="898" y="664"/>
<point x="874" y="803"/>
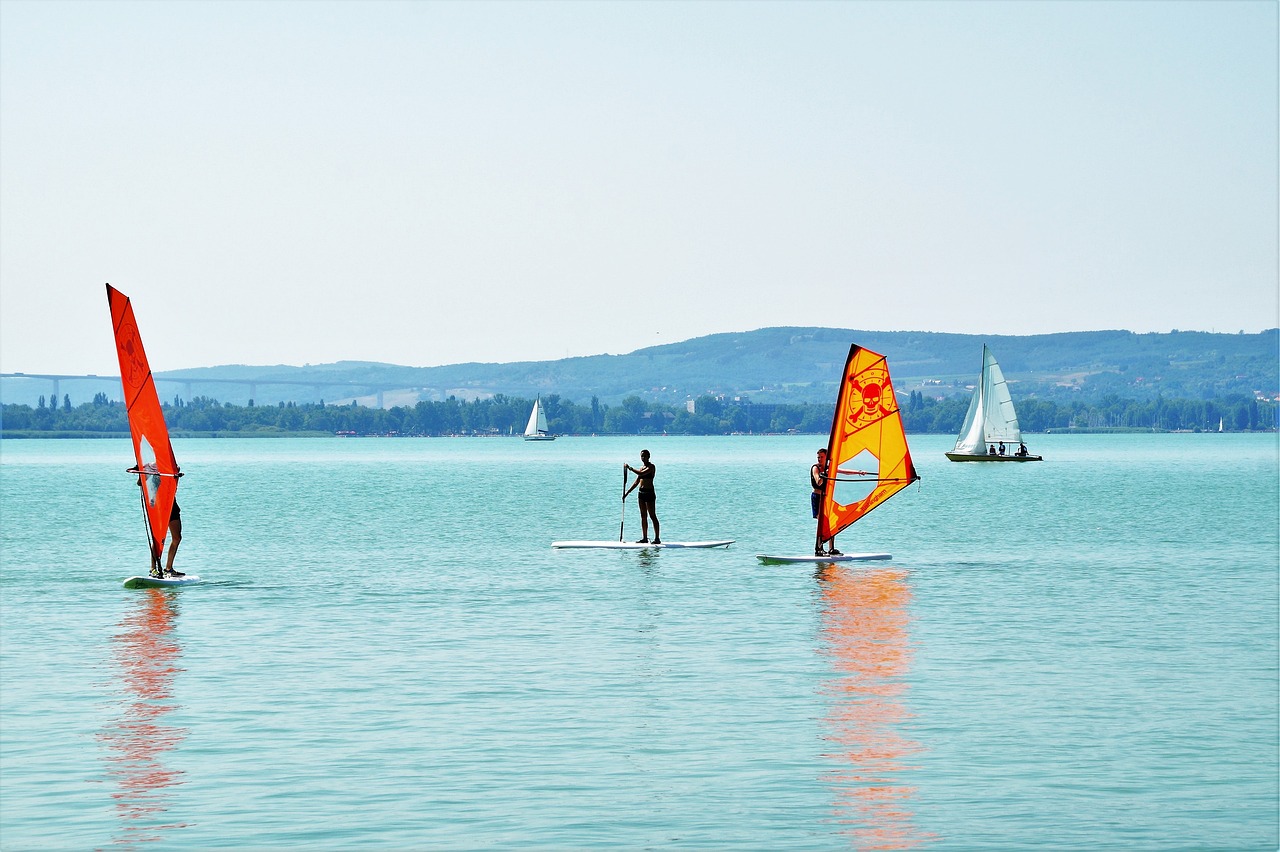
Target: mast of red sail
<point x="155" y="463"/>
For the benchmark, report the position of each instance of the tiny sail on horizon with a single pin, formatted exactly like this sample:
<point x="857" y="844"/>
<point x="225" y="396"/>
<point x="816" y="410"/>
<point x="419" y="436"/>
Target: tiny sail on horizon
<point x="536" y="429"/>
<point x="990" y="420"/>
<point x="868" y="454"/>
<point x="152" y="451"/>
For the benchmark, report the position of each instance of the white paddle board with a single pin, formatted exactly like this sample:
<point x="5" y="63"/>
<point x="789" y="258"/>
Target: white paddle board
<point x="630" y="545"/>
<point x="160" y="582"/>
<point x="845" y="557"/>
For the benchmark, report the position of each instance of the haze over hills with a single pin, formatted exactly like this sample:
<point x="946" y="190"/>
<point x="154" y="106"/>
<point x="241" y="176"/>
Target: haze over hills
<point x="791" y="364"/>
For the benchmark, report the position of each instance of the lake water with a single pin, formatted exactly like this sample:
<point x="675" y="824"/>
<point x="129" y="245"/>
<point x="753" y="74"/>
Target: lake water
<point x="387" y="653"/>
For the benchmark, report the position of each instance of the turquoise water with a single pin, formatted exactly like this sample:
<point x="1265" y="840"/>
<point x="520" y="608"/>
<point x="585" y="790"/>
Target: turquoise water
<point x="387" y="653"/>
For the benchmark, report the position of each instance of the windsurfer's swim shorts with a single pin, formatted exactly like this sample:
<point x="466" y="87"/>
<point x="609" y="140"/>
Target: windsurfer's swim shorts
<point x="815" y="500"/>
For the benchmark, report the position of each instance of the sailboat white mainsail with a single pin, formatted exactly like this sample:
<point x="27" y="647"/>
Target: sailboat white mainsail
<point x="536" y="430"/>
<point x="990" y="420"/>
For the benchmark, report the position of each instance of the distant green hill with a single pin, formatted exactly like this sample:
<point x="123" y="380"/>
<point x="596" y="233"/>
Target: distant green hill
<point x="794" y="364"/>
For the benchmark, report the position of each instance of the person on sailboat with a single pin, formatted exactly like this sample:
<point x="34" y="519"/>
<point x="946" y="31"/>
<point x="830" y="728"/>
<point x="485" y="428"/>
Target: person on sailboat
<point x="175" y="537"/>
<point x="646" y="497"/>
<point x="818" y="478"/>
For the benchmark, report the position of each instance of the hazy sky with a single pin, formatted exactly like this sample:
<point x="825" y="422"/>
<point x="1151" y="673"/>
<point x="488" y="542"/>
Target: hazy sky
<point x="427" y="183"/>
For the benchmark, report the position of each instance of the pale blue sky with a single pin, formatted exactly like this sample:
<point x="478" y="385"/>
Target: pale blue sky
<point x="426" y="183"/>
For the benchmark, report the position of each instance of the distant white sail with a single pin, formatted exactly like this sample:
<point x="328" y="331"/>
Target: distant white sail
<point x="536" y="430"/>
<point x="991" y="417"/>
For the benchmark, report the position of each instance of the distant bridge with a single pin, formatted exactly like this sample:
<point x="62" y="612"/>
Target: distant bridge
<point x="188" y="381"/>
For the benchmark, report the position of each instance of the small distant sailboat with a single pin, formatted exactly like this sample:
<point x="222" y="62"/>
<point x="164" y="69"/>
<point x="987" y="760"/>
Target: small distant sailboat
<point x="991" y="421"/>
<point x="868" y="457"/>
<point x="156" y="467"/>
<point x="536" y="430"/>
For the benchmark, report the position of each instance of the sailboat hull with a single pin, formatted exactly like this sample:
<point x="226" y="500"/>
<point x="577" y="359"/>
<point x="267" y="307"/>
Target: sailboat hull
<point x="539" y="437"/>
<point x="987" y="457"/>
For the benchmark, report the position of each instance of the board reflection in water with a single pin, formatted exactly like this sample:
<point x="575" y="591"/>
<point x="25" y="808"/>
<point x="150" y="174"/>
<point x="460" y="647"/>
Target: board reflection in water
<point x="865" y="631"/>
<point x="146" y="657"/>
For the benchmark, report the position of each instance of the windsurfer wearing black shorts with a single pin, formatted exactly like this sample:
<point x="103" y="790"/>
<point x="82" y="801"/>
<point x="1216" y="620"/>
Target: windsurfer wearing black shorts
<point x="175" y="538"/>
<point x="817" y="479"/>
<point x="646" y="497"/>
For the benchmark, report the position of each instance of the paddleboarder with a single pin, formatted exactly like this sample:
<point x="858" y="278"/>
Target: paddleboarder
<point x="646" y="497"/>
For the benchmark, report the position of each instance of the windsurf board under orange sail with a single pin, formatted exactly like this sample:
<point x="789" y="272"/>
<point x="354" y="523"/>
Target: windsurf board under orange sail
<point x="156" y="467"/>
<point x="868" y="457"/>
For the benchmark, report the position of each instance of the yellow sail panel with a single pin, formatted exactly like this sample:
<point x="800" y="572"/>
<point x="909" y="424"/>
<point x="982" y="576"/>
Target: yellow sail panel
<point x="868" y="458"/>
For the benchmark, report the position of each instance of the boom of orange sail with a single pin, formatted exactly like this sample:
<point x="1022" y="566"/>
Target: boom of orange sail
<point x="156" y="465"/>
<point x="868" y="457"/>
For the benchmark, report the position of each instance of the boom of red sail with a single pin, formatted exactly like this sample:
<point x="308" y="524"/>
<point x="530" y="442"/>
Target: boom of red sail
<point x="151" y="448"/>
<point x="868" y="457"/>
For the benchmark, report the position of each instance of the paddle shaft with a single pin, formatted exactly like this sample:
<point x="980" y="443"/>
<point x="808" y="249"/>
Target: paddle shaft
<point x="623" y="522"/>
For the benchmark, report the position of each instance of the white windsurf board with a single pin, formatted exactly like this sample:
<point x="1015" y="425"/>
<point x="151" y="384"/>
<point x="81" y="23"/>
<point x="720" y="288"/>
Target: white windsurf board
<point x="632" y="545"/>
<point x="160" y="582"/>
<point x="845" y="557"/>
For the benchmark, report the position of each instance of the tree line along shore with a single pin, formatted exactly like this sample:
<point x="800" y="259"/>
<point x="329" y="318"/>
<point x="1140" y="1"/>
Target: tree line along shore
<point x="708" y="415"/>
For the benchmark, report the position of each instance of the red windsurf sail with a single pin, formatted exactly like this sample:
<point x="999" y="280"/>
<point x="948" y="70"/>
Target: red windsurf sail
<point x="868" y="458"/>
<point x="156" y="466"/>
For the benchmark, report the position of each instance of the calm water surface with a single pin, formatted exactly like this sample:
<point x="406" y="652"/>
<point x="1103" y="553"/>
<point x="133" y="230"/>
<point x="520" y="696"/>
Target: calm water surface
<point x="388" y="654"/>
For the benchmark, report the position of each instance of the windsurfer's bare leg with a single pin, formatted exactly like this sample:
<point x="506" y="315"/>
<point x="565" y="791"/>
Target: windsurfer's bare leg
<point x="175" y="538"/>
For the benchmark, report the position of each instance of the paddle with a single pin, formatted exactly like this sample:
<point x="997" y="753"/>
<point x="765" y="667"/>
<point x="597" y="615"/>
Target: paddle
<point x="623" y="522"/>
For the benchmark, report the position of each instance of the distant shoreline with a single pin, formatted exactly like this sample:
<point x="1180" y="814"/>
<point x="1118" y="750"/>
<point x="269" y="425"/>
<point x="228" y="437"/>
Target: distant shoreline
<point x="36" y="434"/>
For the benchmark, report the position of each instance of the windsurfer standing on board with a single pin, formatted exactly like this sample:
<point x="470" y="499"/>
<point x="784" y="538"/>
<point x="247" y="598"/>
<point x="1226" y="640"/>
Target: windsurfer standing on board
<point x="647" y="498"/>
<point x="175" y="538"/>
<point x="818" y="478"/>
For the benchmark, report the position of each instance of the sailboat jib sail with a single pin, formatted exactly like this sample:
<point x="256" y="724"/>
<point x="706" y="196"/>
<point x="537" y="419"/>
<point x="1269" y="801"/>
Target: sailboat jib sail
<point x="868" y="457"/>
<point x="991" y="420"/>
<point x="536" y="429"/>
<point x="156" y="466"/>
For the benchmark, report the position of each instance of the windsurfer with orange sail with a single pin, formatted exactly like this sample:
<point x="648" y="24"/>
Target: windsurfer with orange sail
<point x="866" y="460"/>
<point x="156" y="467"/>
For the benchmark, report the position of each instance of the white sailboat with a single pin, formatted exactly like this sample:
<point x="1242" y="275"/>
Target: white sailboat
<point x="990" y="431"/>
<point x="536" y="430"/>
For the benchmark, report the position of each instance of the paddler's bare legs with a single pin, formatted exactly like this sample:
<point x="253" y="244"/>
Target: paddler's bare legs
<point x="648" y="509"/>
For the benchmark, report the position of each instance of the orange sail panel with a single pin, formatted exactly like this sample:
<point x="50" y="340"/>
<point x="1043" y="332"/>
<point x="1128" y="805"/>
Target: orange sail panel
<point x="868" y="458"/>
<point x="156" y="465"/>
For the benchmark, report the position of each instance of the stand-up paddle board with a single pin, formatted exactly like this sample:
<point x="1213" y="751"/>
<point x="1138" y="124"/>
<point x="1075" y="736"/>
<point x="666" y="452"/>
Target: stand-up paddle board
<point x="629" y="545"/>
<point x="845" y="557"/>
<point x="160" y="582"/>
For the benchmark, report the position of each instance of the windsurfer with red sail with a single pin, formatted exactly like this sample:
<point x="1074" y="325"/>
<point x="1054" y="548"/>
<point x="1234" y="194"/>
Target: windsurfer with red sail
<point x="175" y="538"/>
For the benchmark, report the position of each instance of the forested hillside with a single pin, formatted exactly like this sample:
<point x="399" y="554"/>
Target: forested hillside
<point x="772" y="365"/>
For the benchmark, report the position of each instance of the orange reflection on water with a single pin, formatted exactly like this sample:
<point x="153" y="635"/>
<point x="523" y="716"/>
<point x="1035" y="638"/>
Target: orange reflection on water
<point x="865" y="626"/>
<point x="147" y="658"/>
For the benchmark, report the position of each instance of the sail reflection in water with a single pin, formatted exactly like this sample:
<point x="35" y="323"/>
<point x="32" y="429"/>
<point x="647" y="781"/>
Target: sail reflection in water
<point x="147" y="657"/>
<point x="865" y="623"/>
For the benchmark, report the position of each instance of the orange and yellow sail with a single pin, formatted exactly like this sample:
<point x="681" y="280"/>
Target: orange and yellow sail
<point x="868" y="457"/>
<point x="156" y="465"/>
